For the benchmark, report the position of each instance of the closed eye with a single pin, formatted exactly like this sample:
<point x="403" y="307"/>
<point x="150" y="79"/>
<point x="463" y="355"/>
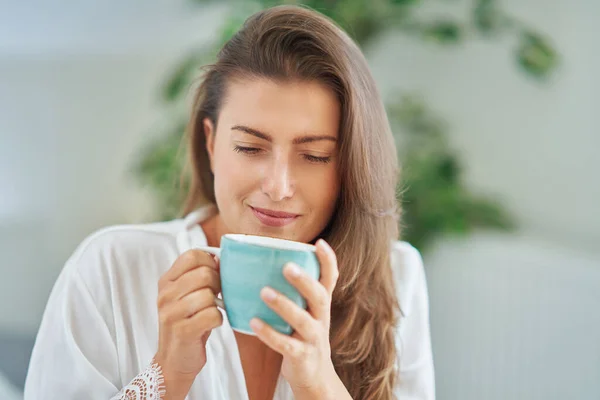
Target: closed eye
<point x="246" y="150"/>
<point x="255" y="150"/>
<point x="315" y="159"/>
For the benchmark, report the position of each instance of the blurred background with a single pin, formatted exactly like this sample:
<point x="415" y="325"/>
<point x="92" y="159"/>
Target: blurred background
<point x="494" y="106"/>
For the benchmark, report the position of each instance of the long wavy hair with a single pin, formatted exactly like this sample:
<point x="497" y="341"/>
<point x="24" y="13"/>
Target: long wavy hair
<point x="288" y="43"/>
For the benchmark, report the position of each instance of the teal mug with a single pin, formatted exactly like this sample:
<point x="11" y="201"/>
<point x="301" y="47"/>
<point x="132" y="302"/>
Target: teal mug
<point x="249" y="263"/>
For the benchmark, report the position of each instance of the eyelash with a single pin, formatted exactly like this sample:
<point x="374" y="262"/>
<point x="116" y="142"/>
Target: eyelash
<point x="308" y="157"/>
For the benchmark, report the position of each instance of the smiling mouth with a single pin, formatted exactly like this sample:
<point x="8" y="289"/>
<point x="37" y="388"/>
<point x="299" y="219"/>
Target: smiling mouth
<point x="273" y="218"/>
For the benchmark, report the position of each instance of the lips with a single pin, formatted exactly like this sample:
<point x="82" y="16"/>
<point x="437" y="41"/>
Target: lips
<point x="276" y="214"/>
<point x="273" y="218"/>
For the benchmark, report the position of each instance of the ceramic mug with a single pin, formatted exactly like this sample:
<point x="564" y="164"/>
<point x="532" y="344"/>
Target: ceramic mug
<point x="249" y="263"/>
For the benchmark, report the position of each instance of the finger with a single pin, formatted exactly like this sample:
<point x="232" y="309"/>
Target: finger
<point x="317" y="297"/>
<point x="197" y="325"/>
<point x="329" y="267"/>
<point x="298" y="318"/>
<point x="198" y="278"/>
<point x="189" y="260"/>
<point x="193" y="303"/>
<point x="205" y="337"/>
<point x="195" y="279"/>
<point x="217" y="262"/>
<point x="283" y="344"/>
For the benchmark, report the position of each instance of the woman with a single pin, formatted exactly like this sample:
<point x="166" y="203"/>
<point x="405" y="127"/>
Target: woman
<point x="288" y="138"/>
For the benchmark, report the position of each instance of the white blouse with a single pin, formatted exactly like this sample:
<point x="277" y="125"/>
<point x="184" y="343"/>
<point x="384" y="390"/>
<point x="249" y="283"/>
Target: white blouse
<point x="100" y="327"/>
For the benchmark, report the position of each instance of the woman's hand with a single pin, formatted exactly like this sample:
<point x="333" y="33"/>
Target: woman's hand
<point x="307" y="364"/>
<point x="187" y="313"/>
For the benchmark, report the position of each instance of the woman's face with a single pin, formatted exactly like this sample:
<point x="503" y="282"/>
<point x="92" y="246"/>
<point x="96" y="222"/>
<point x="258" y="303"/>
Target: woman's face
<point x="275" y="158"/>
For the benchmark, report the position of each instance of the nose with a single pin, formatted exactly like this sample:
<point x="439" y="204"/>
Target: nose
<point x="277" y="182"/>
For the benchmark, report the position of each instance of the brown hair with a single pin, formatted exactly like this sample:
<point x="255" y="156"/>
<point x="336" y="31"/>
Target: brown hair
<point x="293" y="43"/>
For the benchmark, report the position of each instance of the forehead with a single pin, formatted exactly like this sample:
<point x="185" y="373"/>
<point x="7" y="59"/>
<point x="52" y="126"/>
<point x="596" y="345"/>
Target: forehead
<point x="281" y="108"/>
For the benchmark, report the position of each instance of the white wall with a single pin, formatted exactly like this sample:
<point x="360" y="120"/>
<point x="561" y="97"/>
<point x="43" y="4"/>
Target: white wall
<point x="514" y="318"/>
<point x="78" y="96"/>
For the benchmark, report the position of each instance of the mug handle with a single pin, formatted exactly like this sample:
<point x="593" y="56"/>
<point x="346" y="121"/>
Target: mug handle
<point x="217" y="252"/>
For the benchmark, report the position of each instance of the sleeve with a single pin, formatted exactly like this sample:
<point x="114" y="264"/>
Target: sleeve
<point x="146" y="386"/>
<point x="413" y="339"/>
<point x="75" y="353"/>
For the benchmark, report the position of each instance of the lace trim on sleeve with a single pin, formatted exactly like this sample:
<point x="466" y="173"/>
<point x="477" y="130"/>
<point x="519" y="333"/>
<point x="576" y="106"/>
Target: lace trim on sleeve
<point x="146" y="386"/>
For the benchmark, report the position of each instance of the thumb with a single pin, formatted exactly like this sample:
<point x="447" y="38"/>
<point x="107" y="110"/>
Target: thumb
<point x="205" y="337"/>
<point x="218" y="262"/>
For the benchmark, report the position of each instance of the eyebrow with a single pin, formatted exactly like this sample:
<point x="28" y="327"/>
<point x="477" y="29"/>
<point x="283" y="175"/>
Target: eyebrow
<point x="269" y="138"/>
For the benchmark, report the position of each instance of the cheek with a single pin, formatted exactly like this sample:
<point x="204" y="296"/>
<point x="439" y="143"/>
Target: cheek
<point x="232" y="178"/>
<point x="323" y="190"/>
<point x="332" y="191"/>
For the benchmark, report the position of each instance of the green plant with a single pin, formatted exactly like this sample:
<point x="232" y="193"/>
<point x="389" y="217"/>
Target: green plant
<point x="434" y="197"/>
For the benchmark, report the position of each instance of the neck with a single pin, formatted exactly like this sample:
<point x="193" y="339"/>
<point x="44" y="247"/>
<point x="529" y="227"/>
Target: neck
<point x="213" y="229"/>
<point x="254" y="344"/>
<point x="261" y="366"/>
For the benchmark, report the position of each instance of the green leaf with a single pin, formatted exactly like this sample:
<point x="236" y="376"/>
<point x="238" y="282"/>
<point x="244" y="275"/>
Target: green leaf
<point x="272" y="3"/>
<point x="449" y="169"/>
<point x="487" y="17"/>
<point x="159" y="165"/>
<point x="178" y="83"/>
<point x="536" y="55"/>
<point x="405" y="2"/>
<point x="488" y="212"/>
<point x="433" y="196"/>
<point x="444" y="32"/>
<point x="182" y="76"/>
<point x="231" y="26"/>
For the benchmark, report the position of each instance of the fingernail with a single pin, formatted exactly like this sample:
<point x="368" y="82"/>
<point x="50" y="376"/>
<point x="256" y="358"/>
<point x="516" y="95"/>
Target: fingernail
<point x="293" y="270"/>
<point x="256" y="324"/>
<point x="269" y="294"/>
<point x="324" y="246"/>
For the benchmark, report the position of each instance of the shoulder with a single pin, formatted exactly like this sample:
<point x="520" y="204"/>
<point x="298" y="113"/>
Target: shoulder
<point x="409" y="274"/>
<point x="413" y="337"/>
<point x="128" y="238"/>
<point x="120" y="254"/>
